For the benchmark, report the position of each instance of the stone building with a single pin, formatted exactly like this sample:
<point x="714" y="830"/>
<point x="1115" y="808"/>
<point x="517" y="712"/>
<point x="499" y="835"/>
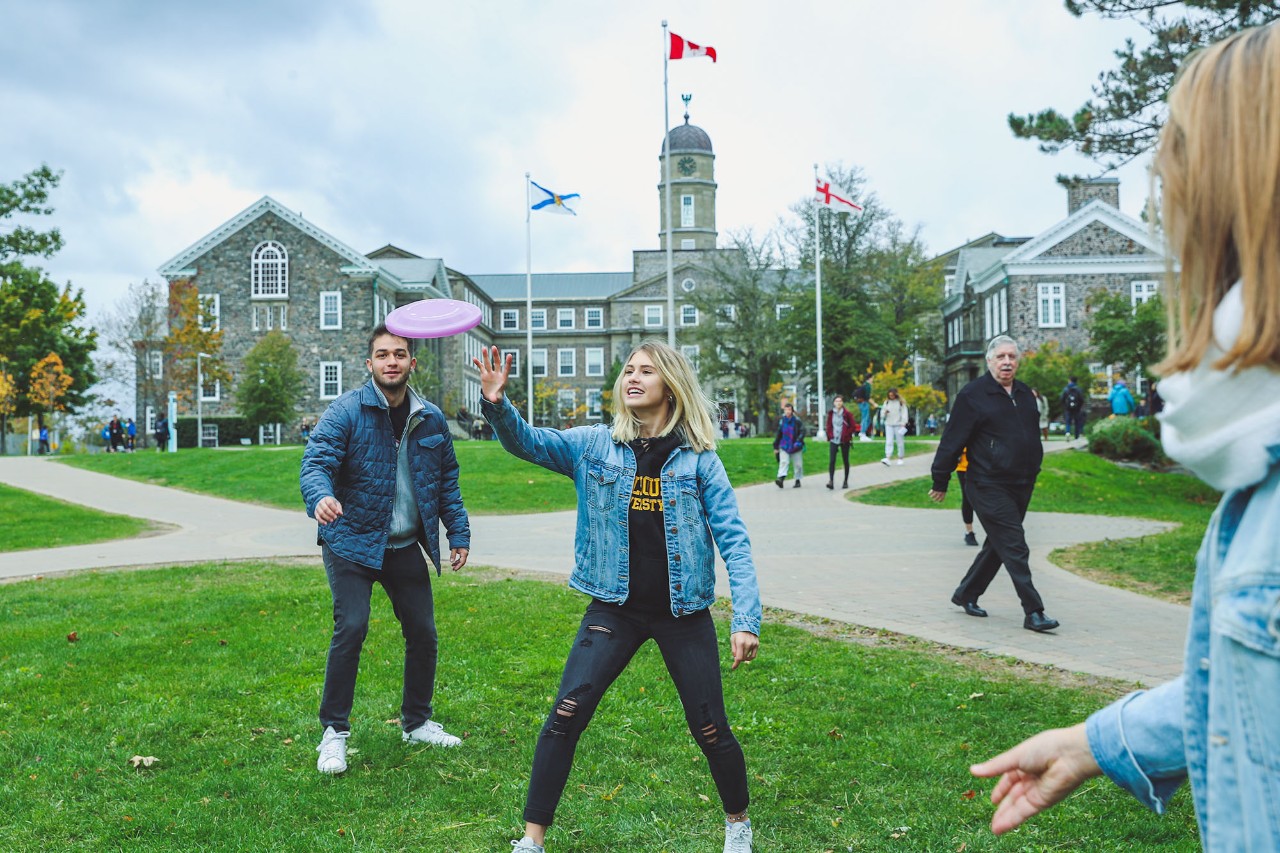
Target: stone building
<point x="269" y="268"/>
<point x="1035" y="288"/>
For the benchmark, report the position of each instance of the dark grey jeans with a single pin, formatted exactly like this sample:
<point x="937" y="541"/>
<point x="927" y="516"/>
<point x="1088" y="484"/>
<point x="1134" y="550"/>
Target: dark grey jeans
<point x="607" y="639"/>
<point x="406" y="577"/>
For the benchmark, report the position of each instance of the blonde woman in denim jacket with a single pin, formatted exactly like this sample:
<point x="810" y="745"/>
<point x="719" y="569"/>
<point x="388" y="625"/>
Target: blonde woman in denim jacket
<point x="1218" y="724"/>
<point x="652" y="496"/>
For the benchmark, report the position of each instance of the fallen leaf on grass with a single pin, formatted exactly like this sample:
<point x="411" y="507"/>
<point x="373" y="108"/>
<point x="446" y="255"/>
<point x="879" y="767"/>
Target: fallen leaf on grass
<point x="73" y="637"/>
<point x="976" y="695"/>
<point x="704" y="798"/>
<point x="609" y="796"/>
<point x="143" y="760"/>
<point x="835" y="734"/>
<point x="970" y="794"/>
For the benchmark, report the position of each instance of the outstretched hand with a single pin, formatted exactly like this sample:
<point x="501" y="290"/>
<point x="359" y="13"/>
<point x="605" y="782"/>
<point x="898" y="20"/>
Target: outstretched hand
<point x="1037" y="773"/>
<point x="494" y="371"/>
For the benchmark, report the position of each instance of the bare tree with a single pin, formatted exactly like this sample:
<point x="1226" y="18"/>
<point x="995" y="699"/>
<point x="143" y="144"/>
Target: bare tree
<point x="132" y="346"/>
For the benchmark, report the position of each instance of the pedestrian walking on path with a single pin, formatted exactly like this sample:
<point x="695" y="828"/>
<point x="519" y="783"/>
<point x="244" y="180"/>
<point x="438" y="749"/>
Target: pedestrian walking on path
<point x="995" y="417"/>
<point x="894" y="413"/>
<point x="840" y="432"/>
<point x="789" y="446"/>
<point x="1216" y="724"/>
<point x="380" y="475"/>
<point x="647" y="562"/>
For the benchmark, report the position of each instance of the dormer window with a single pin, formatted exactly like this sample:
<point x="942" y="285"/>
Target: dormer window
<point x="270" y="271"/>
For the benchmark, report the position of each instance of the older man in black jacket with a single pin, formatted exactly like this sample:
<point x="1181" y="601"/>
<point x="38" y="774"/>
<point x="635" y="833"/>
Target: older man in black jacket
<point x="995" y="418"/>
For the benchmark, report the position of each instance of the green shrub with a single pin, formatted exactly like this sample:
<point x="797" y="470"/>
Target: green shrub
<point x="1123" y="438"/>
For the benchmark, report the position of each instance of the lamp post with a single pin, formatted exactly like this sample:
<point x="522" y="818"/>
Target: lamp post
<point x="916" y="361"/>
<point x="200" y="397"/>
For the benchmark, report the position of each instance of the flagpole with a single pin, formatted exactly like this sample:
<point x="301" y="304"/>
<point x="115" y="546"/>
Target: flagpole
<point x="528" y="296"/>
<point x="817" y="272"/>
<point x="666" y="182"/>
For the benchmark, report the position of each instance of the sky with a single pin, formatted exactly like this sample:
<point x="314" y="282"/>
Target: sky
<point x="413" y="122"/>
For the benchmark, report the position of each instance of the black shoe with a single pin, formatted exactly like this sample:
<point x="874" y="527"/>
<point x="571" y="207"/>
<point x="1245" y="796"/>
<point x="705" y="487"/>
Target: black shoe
<point x="846" y="485"/>
<point x="830" y="484"/>
<point x="1039" y="622"/>
<point x="778" y="482"/>
<point x="797" y="485"/>
<point x="970" y="539"/>
<point x="970" y="607"/>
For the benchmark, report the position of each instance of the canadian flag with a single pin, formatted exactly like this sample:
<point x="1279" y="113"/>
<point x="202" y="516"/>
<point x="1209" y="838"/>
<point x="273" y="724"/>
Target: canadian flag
<point x="683" y="49"/>
<point x="827" y="196"/>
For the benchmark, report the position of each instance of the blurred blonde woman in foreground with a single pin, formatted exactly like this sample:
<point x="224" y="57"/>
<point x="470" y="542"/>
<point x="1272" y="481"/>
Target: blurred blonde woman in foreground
<point x="1218" y="724"/>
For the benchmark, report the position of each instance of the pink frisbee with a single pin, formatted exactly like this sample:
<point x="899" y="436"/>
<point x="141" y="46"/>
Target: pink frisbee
<point x="433" y="318"/>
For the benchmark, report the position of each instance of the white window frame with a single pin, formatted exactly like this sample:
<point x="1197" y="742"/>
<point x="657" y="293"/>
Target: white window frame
<point x="593" y="318"/>
<point x="688" y="217"/>
<point x="209" y="435"/>
<point x="688" y="315"/>
<point x="564" y="318"/>
<point x="595" y="403"/>
<point x="282" y="316"/>
<point x="653" y="316"/>
<point x="269" y="271"/>
<point x="727" y="314"/>
<point x="539" y="355"/>
<point x="214" y="301"/>
<point x="510" y="319"/>
<point x="515" y="360"/>
<point x="149" y="419"/>
<point x="335" y="382"/>
<point x="214" y="397"/>
<point x="593" y="361"/>
<point x="334" y="320"/>
<point x="1142" y="291"/>
<point x="566" y="362"/>
<point x="1002" y="307"/>
<point x="571" y="396"/>
<point x="268" y="434"/>
<point x="688" y="285"/>
<point x="156" y="368"/>
<point x="692" y="352"/>
<point x="781" y="310"/>
<point x="1051" y="305"/>
<point x="538" y="319"/>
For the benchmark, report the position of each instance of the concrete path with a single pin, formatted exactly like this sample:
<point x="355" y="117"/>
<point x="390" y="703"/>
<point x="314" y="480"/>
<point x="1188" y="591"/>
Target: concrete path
<point x="815" y="551"/>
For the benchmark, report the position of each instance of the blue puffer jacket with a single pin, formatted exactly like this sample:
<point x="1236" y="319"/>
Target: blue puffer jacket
<point x="352" y="456"/>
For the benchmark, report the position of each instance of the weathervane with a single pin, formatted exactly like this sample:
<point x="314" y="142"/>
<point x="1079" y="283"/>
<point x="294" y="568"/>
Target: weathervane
<point x="686" y="99"/>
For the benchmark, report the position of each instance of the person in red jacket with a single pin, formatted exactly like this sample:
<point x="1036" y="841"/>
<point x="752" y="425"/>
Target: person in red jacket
<point x="841" y="429"/>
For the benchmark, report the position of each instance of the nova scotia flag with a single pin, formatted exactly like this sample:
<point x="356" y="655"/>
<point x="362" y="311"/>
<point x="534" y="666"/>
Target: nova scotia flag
<point x="549" y="202"/>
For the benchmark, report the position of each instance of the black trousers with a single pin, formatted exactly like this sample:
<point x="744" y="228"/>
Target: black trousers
<point x="843" y="449"/>
<point x="1001" y="507"/>
<point x="966" y="508"/>
<point x="607" y="639"/>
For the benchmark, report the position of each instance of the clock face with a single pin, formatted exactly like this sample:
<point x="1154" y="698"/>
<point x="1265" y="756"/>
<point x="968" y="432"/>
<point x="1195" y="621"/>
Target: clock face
<point x="687" y="165"/>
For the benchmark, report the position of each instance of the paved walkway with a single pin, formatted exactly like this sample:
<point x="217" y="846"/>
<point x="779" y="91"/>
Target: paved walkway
<point x="815" y="552"/>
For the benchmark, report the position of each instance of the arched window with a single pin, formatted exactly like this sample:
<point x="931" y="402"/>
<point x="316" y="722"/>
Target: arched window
<point x="270" y="271"/>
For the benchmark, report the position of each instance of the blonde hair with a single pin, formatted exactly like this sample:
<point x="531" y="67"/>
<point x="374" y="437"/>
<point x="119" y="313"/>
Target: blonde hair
<point x="692" y="412"/>
<point x="1218" y="164"/>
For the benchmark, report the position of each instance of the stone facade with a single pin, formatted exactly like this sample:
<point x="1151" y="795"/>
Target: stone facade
<point x="1096" y="240"/>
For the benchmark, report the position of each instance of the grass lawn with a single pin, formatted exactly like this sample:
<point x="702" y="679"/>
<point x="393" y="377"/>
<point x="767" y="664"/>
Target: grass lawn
<point x="29" y="520"/>
<point x="269" y="475"/>
<point x="855" y="741"/>
<point x="1162" y="565"/>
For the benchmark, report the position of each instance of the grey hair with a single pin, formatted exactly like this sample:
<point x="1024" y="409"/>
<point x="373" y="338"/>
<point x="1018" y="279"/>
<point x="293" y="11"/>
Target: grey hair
<point x="999" y="341"/>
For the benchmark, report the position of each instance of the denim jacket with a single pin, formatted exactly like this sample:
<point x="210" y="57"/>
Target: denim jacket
<point x="698" y="504"/>
<point x="1218" y="723"/>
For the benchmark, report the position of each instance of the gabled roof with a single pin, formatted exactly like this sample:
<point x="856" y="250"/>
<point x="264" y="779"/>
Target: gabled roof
<point x="416" y="273"/>
<point x="180" y="264"/>
<point x="565" y="285"/>
<point x="1095" y="211"/>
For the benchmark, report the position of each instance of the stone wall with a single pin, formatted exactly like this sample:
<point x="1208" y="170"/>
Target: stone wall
<point x="1095" y="240"/>
<point x="1080" y="193"/>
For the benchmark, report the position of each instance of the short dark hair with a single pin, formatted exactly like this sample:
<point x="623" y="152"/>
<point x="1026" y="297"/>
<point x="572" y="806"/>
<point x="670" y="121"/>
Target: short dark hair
<point x="1071" y="378"/>
<point x="380" y="330"/>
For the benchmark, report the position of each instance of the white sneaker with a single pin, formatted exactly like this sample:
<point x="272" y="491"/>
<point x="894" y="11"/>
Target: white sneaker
<point x="737" y="837"/>
<point x="884" y="461"/>
<point x="900" y="461"/>
<point x="333" y="751"/>
<point x="527" y="845"/>
<point x="431" y="733"/>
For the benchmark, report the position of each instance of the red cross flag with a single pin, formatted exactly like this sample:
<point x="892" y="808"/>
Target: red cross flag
<point x="828" y="196"/>
<point x="682" y="49"/>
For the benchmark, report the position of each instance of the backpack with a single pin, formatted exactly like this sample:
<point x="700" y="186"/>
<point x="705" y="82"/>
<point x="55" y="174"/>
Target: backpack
<point x="1073" y="399"/>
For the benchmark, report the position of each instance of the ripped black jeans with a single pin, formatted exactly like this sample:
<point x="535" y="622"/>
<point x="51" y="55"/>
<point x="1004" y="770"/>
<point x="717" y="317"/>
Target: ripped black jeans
<point x="608" y="638"/>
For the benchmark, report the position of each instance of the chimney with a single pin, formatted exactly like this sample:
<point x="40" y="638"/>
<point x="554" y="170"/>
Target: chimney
<point x="1081" y="191"/>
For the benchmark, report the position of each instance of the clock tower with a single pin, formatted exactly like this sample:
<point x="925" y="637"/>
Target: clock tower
<point x="693" y="188"/>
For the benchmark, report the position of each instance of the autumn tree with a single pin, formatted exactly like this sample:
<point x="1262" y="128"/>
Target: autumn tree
<point x="8" y="400"/>
<point x="549" y="408"/>
<point x="271" y="383"/>
<point x="188" y="337"/>
<point x="49" y="383"/>
<point x="1123" y="118"/>
<point x="742" y="336"/>
<point x="1047" y="370"/>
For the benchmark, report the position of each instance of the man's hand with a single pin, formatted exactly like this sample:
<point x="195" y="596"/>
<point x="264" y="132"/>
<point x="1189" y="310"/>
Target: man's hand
<point x="494" y="371"/>
<point x="937" y="496"/>
<point x="744" y="645"/>
<point x="458" y="557"/>
<point x="1037" y="773"/>
<point x="328" y="509"/>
